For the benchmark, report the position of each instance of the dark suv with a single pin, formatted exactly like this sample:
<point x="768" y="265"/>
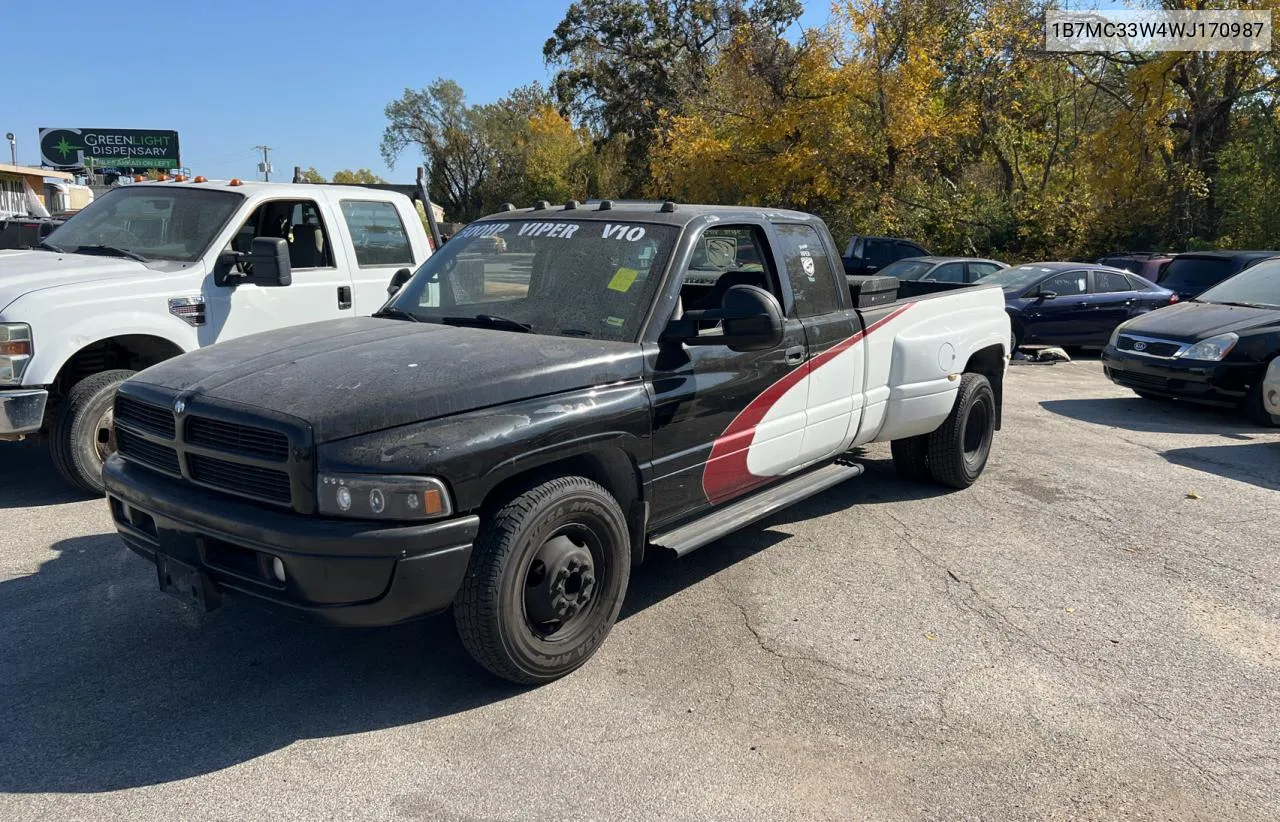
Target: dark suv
<point x="1190" y="274"/>
<point x="867" y="255"/>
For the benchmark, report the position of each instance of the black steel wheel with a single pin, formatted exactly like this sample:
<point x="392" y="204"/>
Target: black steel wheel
<point x="546" y="581"/>
<point x="959" y="448"/>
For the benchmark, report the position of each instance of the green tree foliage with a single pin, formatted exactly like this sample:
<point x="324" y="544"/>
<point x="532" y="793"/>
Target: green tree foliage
<point x="311" y="175"/>
<point x="941" y="120"/>
<point x="358" y="177"/>
<point x="624" y="62"/>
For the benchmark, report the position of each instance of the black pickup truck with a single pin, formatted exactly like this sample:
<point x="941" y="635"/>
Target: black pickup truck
<point x="524" y="420"/>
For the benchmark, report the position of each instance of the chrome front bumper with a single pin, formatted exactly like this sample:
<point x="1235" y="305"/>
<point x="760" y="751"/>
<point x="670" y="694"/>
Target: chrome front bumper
<point x="22" y="411"/>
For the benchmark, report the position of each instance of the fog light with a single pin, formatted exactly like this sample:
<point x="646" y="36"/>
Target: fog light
<point x="277" y="568"/>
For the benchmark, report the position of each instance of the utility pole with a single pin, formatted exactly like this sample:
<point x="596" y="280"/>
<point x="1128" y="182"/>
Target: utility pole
<point x="265" y="165"/>
<point x="13" y="148"/>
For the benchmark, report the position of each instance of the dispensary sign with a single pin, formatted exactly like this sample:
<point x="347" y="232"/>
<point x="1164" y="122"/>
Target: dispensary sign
<point x="123" y="148"/>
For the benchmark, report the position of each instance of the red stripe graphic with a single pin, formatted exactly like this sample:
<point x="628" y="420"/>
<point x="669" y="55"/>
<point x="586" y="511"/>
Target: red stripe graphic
<point x="726" y="474"/>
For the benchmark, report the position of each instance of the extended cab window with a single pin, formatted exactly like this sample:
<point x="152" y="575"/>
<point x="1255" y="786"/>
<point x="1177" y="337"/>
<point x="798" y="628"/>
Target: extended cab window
<point x="565" y="277"/>
<point x="298" y="223"/>
<point x="725" y="256"/>
<point x="377" y="233"/>
<point x="807" y="269"/>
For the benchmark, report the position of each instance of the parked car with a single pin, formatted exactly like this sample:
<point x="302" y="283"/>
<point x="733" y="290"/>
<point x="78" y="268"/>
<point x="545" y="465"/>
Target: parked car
<point x="27" y="232"/>
<point x="1073" y="304"/>
<point x="1192" y="273"/>
<point x="151" y="270"/>
<point x="1149" y="265"/>
<point x="513" y="455"/>
<point x="942" y="269"/>
<point x="1222" y="348"/>
<point x="867" y="255"/>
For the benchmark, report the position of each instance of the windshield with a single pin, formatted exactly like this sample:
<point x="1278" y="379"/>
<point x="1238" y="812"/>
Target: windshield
<point x="1191" y="275"/>
<point x="906" y="269"/>
<point x="152" y="222"/>
<point x="557" y="277"/>
<point x="1017" y="278"/>
<point x="1259" y="285"/>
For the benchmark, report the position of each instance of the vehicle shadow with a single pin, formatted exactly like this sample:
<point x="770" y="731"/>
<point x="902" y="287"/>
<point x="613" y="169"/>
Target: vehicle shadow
<point x="1256" y="463"/>
<point x="1137" y="414"/>
<point x="110" y="684"/>
<point x="28" y="478"/>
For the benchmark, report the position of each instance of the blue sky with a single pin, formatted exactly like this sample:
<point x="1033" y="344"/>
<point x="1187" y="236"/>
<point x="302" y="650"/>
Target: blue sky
<point x="308" y="79"/>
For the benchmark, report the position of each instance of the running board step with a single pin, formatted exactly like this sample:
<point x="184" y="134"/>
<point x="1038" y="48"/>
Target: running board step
<point x="733" y="516"/>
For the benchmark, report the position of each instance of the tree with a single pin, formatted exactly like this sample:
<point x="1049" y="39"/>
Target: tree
<point x="358" y="177"/>
<point x="310" y="175"/>
<point x="451" y="136"/>
<point x="625" y="62"/>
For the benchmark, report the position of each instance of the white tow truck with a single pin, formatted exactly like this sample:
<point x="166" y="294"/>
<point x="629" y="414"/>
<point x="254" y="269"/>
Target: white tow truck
<point x="153" y="270"/>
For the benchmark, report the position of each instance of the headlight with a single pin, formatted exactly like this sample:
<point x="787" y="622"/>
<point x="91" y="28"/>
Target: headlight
<point x="364" y="496"/>
<point x="1214" y="348"/>
<point x="1115" y="335"/>
<point x="16" y="349"/>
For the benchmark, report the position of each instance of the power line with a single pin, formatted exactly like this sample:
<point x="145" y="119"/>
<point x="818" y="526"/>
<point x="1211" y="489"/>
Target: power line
<point x="265" y="165"/>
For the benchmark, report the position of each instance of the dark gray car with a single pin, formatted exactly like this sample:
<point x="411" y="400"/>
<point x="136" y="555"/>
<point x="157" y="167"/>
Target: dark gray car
<point x="942" y="269"/>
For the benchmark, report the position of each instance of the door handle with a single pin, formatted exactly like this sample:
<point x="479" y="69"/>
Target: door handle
<point x="795" y="355"/>
<point x="344" y="297"/>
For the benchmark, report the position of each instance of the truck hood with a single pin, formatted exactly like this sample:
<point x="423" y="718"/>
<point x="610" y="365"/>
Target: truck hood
<point x="349" y="377"/>
<point x="1198" y="321"/>
<point x="22" y="272"/>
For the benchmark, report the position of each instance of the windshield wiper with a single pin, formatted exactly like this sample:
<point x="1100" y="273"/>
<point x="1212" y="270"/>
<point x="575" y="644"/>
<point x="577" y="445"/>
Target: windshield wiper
<point x="490" y="321"/>
<point x="45" y="244"/>
<point x="391" y="312"/>
<point x="113" y="250"/>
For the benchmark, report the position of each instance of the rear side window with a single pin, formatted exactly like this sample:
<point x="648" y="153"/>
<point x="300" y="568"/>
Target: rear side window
<point x="1195" y="274"/>
<point x="947" y="273"/>
<point x="979" y="270"/>
<point x="880" y="253"/>
<point x="807" y="267"/>
<point x="377" y="233"/>
<point x="1112" y="281"/>
<point x="1066" y="285"/>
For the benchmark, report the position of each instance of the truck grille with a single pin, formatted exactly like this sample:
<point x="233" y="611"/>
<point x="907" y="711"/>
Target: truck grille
<point x="245" y="480"/>
<point x="142" y="451"/>
<point x="238" y="439"/>
<point x="269" y="463"/>
<point x="140" y="415"/>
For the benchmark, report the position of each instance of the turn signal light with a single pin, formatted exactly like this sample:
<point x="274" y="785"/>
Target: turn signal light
<point x="18" y="348"/>
<point x="433" y="502"/>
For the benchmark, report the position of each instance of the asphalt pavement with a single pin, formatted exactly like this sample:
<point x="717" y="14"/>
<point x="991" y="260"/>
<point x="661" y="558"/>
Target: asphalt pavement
<point x="1090" y="632"/>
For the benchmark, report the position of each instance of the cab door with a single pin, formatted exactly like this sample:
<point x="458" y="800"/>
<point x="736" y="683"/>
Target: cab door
<point x="378" y="247"/>
<point x="1062" y="318"/>
<point x="832" y="389"/>
<point x="320" y="287"/>
<point x="724" y="421"/>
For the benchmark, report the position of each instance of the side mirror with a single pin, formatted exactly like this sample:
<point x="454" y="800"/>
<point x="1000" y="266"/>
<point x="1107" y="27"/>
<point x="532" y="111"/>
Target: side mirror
<point x="750" y="318"/>
<point x="270" y="259"/>
<point x="398" y="280"/>
<point x="266" y="264"/>
<point x="1044" y="295"/>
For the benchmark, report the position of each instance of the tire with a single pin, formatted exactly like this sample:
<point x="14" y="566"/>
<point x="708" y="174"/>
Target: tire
<point x="911" y="458"/>
<point x="1255" y="406"/>
<point x="83" y="435"/>
<point x="1015" y="338"/>
<point x="959" y="449"/>
<point x="526" y="564"/>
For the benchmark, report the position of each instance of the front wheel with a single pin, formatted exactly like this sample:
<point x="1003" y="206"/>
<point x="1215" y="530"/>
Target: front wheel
<point x="959" y="449"/>
<point x="546" y="581"/>
<point x="83" y="433"/>
<point x="1264" y="397"/>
